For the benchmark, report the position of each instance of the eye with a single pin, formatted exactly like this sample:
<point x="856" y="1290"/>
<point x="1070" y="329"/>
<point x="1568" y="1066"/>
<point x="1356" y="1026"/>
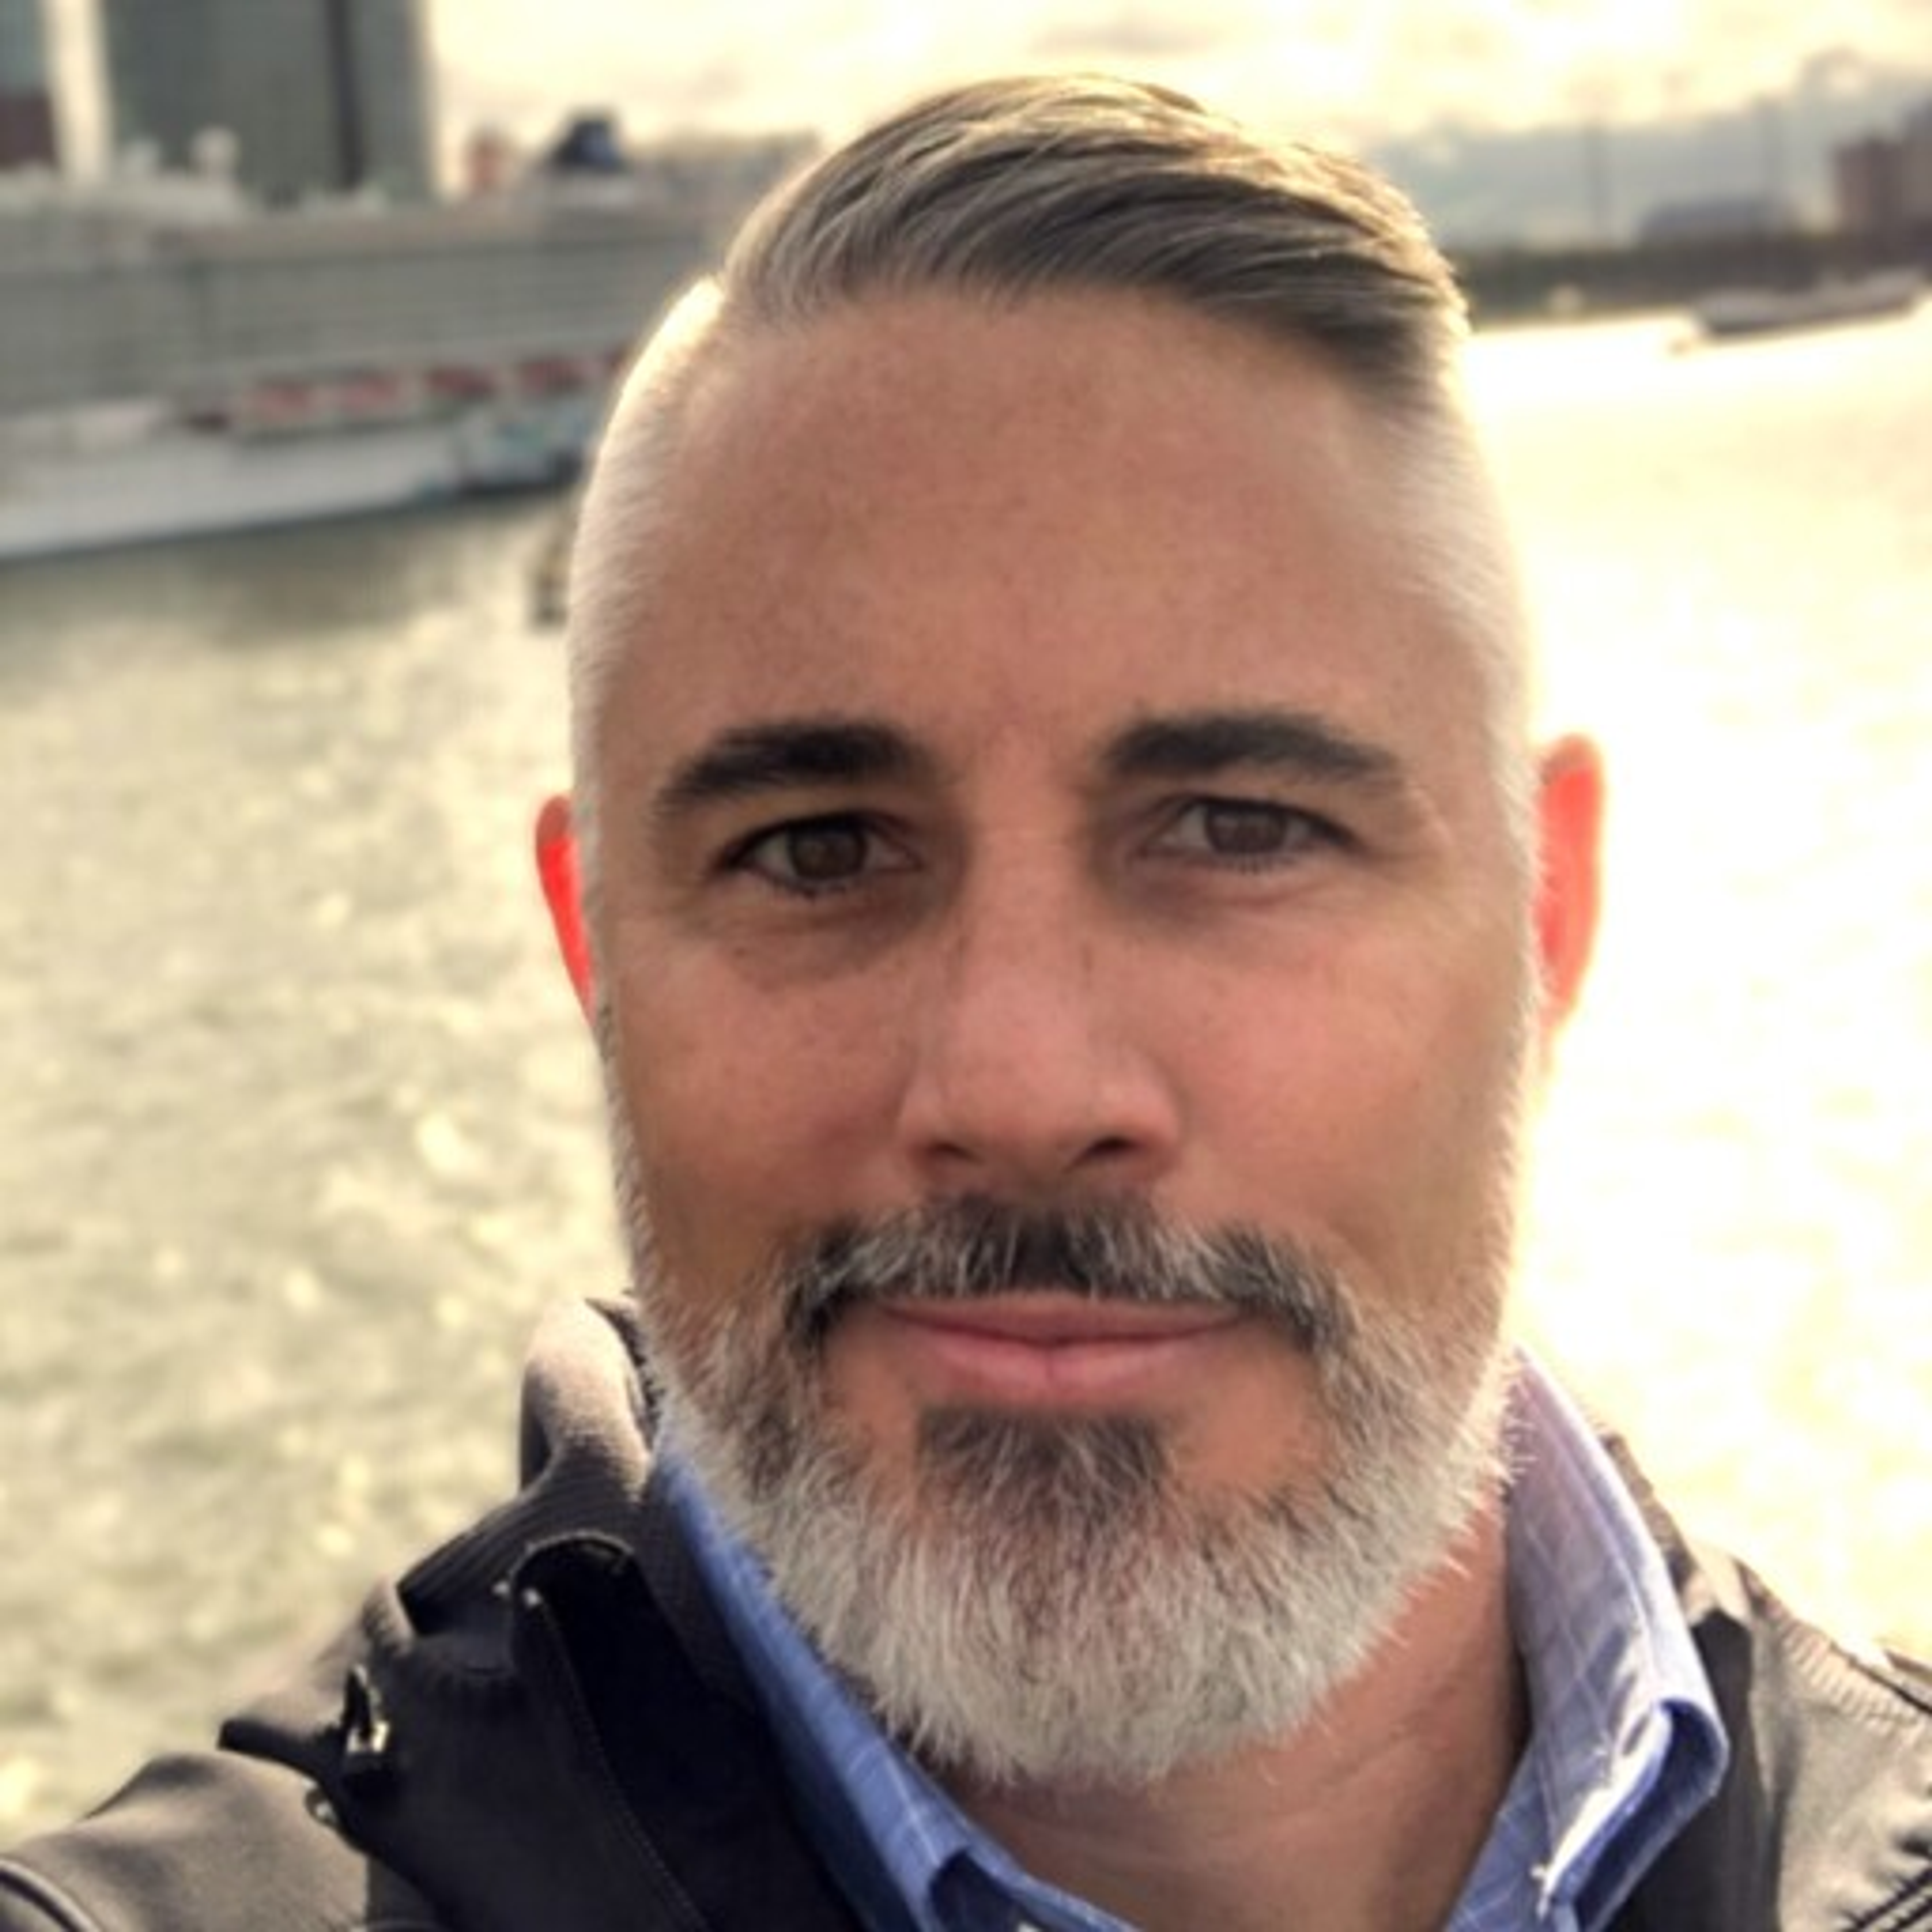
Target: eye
<point x="1251" y="832"/>
<point x="811" y="855"/>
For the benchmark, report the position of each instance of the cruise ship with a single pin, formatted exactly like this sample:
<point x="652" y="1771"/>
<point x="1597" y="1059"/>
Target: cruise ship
<point x="174" y="361"/>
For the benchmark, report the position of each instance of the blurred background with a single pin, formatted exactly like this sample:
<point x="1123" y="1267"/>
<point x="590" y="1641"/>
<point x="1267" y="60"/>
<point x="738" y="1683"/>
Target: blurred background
<point x="308" y="313"/>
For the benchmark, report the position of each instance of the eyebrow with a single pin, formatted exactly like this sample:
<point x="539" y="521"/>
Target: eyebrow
<point x="784" y="754"/>
<point x="1196" y="745"/>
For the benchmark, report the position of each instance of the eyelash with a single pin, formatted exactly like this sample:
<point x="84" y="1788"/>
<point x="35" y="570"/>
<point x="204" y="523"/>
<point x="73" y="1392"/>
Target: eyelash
<point x="743" y="856"/>
<point x="1299" y="831"/>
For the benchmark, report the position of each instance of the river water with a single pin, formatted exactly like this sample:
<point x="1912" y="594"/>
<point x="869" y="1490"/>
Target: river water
<point x="297" y="1132"/>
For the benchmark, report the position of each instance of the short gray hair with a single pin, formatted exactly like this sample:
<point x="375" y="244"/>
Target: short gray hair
<point x="1007" y="189"/>
<point x="1010" y="188"/>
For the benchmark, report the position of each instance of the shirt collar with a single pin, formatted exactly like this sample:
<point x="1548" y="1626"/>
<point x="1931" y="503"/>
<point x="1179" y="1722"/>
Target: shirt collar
<point x="883" y="1826"/>
<point x="1628" y="1744"/>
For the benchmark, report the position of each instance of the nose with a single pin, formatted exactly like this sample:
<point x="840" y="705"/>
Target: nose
<point x="1028" y="1074"/>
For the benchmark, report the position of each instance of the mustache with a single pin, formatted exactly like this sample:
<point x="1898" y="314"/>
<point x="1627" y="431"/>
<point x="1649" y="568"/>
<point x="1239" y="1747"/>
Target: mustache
<point x="972" y="1247"/>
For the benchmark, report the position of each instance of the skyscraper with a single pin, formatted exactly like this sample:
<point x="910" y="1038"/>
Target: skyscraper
<point x="26" y="99"/>
<point x="320" y="95"/>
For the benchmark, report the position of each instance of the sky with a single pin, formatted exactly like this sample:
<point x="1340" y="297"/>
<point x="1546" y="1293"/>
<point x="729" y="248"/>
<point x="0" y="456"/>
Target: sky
<point x="1362" y="71"/>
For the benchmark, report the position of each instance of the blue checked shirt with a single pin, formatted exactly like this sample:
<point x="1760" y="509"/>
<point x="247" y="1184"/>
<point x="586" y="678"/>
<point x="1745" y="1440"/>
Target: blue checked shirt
<point x="1625" y="1742"/>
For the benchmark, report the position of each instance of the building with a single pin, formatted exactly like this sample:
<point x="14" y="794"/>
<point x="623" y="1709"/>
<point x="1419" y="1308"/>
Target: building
<point x="1717" y="218"/>
<point x="491" y="163"/>
<point x="1915" y="165"/>
<point x="322" y="97"/>
<point x="1868" y="186"/>
<point x="1882" y="184"/>
<point x="27" y="132"/>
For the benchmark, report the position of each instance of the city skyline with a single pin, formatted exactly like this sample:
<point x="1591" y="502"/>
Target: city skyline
<point x="1364" y="74"/>
<point x="28" y="136"/>
<point x="317" y="97"/>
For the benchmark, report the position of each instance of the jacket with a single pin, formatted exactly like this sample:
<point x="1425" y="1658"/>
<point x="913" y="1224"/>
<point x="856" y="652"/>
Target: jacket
<point x="542" y="1728"/>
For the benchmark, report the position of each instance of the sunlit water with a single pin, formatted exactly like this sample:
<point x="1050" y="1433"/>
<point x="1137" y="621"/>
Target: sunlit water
<point x="297" y="1131"/>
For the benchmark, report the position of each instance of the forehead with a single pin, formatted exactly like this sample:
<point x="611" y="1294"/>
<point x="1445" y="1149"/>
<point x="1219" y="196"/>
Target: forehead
<point x="1075" y="505"/>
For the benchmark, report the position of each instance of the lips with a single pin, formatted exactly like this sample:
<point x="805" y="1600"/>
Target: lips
<point x="1051" y="1348"/>
<point x="1054" y="1319"/>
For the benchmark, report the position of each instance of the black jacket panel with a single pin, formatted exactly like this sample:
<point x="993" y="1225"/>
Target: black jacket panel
<point x="1825" y="1817"/>
<point x="214" y="1842"/>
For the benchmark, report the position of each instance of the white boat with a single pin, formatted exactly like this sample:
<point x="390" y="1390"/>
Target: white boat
<point x="182" y="482"/>
<point x="1734" y="312"/>
<point x="173" y="362"/>
<point x="96" y="479"/>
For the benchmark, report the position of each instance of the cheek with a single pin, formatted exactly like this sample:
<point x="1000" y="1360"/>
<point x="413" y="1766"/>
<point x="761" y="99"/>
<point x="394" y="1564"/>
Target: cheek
<point x="1367" y="1107"/>
<point x="751" y="1118"/>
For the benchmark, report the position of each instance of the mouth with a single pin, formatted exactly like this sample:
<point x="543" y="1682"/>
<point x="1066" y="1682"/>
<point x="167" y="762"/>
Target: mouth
<point x="1050" y="1348"/>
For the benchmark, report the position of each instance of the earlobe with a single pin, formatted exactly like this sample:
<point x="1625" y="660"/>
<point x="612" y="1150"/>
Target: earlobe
<point x="562" y="891"/>
<point x="1569" y="815"/>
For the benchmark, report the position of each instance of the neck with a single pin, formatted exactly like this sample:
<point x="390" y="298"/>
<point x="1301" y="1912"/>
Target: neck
<point x="1370" y="1815"/>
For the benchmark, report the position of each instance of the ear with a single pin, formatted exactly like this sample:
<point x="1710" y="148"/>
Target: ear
<point x="562" y="891"/>
<point x="1569" y="820"/>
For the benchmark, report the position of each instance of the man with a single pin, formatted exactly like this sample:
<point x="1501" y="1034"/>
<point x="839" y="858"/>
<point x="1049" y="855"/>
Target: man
<point x="1073" y="924"/>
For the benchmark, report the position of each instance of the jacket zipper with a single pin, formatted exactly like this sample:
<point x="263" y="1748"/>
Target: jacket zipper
<point x="668" y="1894"/>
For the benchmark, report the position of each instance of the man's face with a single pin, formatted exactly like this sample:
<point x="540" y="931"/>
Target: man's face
<point x="1042" y="787"/>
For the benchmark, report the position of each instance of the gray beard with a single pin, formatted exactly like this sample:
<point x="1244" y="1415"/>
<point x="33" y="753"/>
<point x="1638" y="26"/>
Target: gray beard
<point x="1044" y="1599"/>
